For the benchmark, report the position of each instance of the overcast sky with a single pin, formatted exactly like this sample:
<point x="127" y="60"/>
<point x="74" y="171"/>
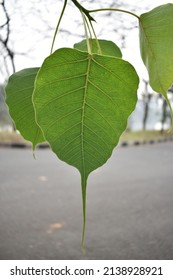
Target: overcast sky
<point x="132" y="46"/>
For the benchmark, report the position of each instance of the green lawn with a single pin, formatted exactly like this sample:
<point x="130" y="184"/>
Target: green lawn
<point x="145" y="135"/>
<point x="11" y="137"/>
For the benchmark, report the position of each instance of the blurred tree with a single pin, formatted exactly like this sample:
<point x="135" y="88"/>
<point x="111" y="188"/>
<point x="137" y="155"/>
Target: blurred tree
<point x="6" y="52"/>
<point x="165" y="116"/>
<point x="146" y="96"/>
<point x="5" y="119"/>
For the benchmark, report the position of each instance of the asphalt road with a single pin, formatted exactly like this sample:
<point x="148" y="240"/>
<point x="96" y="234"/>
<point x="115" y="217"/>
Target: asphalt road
<point x="129" y="206"/>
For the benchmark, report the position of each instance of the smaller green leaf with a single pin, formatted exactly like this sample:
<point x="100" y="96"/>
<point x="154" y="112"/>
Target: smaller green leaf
<point x="19" y="91"/>
<point x="107" y="47"/>
<point x="156" y="45"/>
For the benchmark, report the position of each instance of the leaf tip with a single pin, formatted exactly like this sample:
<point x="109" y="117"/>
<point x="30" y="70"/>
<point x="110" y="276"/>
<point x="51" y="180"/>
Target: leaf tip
<point x="83" y="248"/>
<point x="33" y="151"/>
<point x="83" y="185"/>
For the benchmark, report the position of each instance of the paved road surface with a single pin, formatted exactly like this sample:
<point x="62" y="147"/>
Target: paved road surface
<point x="129" y="214"/>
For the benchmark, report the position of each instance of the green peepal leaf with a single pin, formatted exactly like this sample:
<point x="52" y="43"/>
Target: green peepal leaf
<point x="107" y="47"/>
<point x="19" y="91"/>
<point x="82" y="104"/>
<point x="156" y="45"/>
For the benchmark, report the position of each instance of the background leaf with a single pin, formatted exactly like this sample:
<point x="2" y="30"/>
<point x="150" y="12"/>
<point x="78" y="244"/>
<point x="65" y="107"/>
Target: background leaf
<point x="107" y="47"/>
<point x="19" y="91"/>
<point x="82" y="103"/>
<point x="156" y="45"/>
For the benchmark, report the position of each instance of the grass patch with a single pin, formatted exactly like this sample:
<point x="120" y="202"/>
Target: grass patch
<point x="147" y="135"/>
<point x="12" y="137"/>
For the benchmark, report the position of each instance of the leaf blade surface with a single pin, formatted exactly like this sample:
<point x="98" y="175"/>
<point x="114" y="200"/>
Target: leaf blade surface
<point x="156" y="41"/>
<point x="82" y="104"/>
<point x="107" y="47"/>
<point x="19" y="91"/>
<point x="75" y="97"/>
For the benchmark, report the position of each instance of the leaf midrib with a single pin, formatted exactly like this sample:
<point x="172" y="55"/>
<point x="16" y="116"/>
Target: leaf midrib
<point x="83" y="116"/>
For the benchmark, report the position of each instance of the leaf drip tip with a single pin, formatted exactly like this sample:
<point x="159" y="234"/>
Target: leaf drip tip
<point x="83" y="248"/>
<point x="83" y="185"/>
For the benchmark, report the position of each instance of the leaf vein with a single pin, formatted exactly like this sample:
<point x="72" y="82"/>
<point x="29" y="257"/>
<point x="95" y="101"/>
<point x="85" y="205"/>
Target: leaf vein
<point x="65" y="63"/>
<point x="67" y="144"/>
<point x="59" y="80"/>
<point x="112" y="72"/>
<point x="102" y="91"/>
<point x="93" y="147"/>
<point x="101" y="116"/>
<point x="61" y="118"/>
<point x="97" y="135"/>
<point x="83" y="115"/>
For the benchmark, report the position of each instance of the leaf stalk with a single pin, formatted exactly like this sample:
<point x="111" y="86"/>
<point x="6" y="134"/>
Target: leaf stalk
<point x="57" y="27"/>
<point x="114" y="10"/>
<point x="87" y="12"/>
<point x="86" y="32"/>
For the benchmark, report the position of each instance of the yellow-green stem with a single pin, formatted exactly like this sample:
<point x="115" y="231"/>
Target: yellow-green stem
<point x="86" y="32"/>
<point x="84" y="185"/>
<point x="115" y="10"/>
<point x="59" y="21"/>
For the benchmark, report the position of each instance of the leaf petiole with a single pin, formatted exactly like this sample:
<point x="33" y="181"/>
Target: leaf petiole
<point x="97" y="42"/>
<point x="115" y="10"/>
<point x="57" y="27"/>
<point x="86" y="32"/>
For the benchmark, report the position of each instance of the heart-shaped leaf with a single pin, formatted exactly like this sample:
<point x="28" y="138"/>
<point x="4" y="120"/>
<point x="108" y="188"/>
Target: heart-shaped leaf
<point x="106" y="47"/>
<point x="156" y="45"/>
<point x="19" y="91"/>
<point x="82" y="104"/>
